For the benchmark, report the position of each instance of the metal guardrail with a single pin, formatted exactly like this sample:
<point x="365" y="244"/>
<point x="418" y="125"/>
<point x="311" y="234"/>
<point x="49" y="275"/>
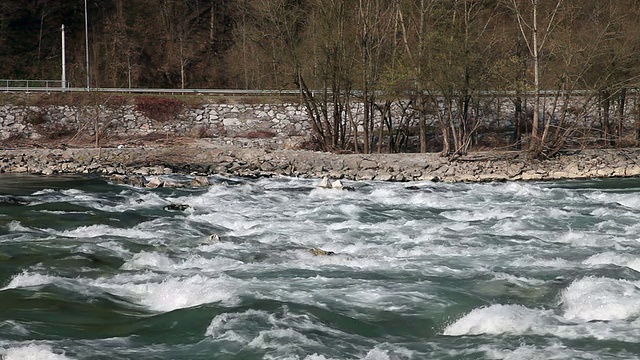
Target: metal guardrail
<point x="56" y="86"/>
<point x="26" y="85"/>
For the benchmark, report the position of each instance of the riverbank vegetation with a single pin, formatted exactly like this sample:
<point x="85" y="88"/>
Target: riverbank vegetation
<point x="372" y="74"/>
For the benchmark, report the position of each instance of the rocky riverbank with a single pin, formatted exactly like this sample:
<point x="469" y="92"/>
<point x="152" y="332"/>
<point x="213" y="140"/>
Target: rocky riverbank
<point x="206" y="159"/>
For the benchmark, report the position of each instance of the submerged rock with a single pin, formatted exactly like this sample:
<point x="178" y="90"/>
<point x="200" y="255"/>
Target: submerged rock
<point x="12" y="200"/>
<point x="213" y="238"/>
<point x="200" y="181"/>
<point x="320" y="252"/>
<point x="177" y="207"/>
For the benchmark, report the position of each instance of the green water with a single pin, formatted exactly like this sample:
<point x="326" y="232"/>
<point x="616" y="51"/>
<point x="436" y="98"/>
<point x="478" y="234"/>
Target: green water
<point x="93" y="270"/>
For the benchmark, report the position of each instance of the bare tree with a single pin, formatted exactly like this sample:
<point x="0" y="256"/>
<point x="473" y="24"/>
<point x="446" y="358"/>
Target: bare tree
<point x="536" y="37"/>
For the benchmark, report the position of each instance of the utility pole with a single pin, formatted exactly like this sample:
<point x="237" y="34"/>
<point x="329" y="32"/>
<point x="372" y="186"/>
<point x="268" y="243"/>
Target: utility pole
<point x="64" y="66"/>
<point x="86" y="45"/>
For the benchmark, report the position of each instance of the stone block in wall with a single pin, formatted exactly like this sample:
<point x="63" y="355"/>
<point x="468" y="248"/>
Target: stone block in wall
<point x="231" y="122"/>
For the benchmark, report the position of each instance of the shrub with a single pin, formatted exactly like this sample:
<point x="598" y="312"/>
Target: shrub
<point x="35" y="117"/>
<point x="157" y="108"/>
<point x="58" y="131"/>
<point x="115" y="101"/>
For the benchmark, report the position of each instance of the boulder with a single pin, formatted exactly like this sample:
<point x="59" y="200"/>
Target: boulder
<point x="368" y="165"/>
<point x="136" y="180"/>
<point x="324" y="183"/>
<point x="119" y="179"/>
<point x="155" y="182"/>
<point x="172" y="184"/>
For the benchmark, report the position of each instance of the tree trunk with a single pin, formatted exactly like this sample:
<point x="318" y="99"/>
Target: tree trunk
<point x="606" y="122"/>
<point x="535" y="145"/>
<point x="621" y="105"/>
<point x="637" y="114"/>
<point x="212" y="23"/>
<point x="422" y="125"/>
<point x="517" y="131"/>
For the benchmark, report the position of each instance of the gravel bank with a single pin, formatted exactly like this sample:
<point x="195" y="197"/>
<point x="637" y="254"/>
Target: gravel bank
<point x="247" y="162"/>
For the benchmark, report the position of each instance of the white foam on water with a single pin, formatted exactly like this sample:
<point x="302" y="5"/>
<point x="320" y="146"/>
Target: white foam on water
<point x="111" y="245"/>
<point x="174" y="293"/>
<point x="517" y="320"/>
<point x="93" y="231"/>
<point x="518" y="280"/>
<point x="351" y="210"/>
<point x="482" y="214"/>
<point x="578" y="238"/>
<point x="32" y="352"/>
<point x="532" y="262"/>
<point x="519" y="226"/>
<point x="237" y="224"/>
<point x="612" y="258"/>
<point x="78" y="195"/>
<point x="27" y="279"/>
<point x="148" y="260"/>
<point x="55" y="212"/>
<point x="14" y="327"/>
<point x="350" y="224"/>
<point x="281" y="340"/>
<point x="16" y="226"/>
<point x="161" y="262"/>
<point x="628" y="200"/>
<point x="209" y="265"/>
<point x="385" y="195"/>
<point x="529" y="352"/>
<point x="315" y="356"/>
<point x="498" y="319"/>
<point x="328" y="194"/>
<point x="377" y="354"/>
<point x="278" y="332"/>
<point x="520" y="189"/>
<point x="43" y="192"/>
<point x="606" y="299"/>
<point x="225" y="322"/>
<point x="619" y="234"/>
<point x="613" y="213"/>
<point x="133" y="202"/>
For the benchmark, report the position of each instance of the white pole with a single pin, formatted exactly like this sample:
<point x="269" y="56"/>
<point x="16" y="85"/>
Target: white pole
<point x="86" y="43"/>
<point x="64" y="67"/>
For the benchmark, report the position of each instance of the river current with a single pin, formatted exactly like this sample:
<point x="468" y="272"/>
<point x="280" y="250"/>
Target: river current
<point x="94" y="270"/>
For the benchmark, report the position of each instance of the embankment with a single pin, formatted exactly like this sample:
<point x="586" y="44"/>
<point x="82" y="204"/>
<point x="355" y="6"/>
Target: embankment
<point x="207" y="159"/>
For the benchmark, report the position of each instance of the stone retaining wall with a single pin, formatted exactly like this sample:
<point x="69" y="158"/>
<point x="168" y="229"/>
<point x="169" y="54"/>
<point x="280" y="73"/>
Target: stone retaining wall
<point x="218" y="120"/>
<point x="209" y="120"/>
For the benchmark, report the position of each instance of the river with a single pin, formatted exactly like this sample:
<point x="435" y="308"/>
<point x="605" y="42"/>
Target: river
<point x="541" y="270"/>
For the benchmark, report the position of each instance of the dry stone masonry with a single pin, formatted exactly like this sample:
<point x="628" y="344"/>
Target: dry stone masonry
<point x="210" y="120"/>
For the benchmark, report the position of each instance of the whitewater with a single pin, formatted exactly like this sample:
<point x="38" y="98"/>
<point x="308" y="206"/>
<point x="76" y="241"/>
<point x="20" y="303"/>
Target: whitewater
<point x="518" y="270"/>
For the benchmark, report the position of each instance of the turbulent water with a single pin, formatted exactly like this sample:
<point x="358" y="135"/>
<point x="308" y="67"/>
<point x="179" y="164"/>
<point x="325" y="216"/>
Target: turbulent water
<point x="93" y="270"/>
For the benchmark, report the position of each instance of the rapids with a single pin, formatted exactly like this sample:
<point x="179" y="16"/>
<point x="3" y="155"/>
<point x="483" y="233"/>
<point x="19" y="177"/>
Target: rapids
<point x="94" y="270"/>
